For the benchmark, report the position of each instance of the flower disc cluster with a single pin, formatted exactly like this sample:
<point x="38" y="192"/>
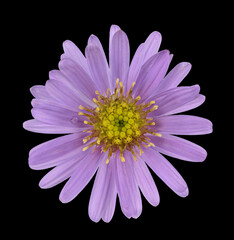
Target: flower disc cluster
<point x="119" y="123"/>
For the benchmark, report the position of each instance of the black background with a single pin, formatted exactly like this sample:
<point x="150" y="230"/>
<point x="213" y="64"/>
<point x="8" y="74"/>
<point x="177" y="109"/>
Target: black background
<point x="38" y="49"/>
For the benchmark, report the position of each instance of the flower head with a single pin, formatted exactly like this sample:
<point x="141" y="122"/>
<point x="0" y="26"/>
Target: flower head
<point x="119" y="118"/>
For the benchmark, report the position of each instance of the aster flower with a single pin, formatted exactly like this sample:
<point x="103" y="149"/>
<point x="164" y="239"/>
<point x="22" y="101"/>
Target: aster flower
<point x="119" y="118"/>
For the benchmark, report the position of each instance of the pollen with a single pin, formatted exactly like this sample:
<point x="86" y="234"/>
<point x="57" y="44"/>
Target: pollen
<point x="118" y="123"/>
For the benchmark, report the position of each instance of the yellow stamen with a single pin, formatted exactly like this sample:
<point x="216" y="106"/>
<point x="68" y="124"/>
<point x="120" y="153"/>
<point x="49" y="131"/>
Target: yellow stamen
<point x="87" y="123"/>
<point x="158" y="134"/>
<point x="81" y="107"/>
<point x="85" y="114"/>
<point x="109" y="155"/>
<point x="86" y="148"/>
<point x="86" y="139"/>
<point x="117" y="82"/>
<point x="151" y="144"/>
<point x="155" y="107"/>
<point x="108" y="92"/>
<point x="130" y="91"/>
<point x="134" y="155"/>
<point x="121" y="88"/>
<point x="137" y="99"/>
<point x="98" y="141"/>
<point x="97" y="93"/>
<point x="149" y="104"/>
<point x="122" y="157"/>
<point x="96" y="101"/>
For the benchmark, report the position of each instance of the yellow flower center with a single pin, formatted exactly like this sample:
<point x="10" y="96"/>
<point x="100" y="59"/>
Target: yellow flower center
<point x="118" y="123"/>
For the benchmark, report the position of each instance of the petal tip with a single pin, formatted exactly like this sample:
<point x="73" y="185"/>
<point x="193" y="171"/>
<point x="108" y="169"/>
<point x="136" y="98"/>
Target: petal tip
<point x="156" y="34"/>
<point x="155" y="203"/>
<point x="25" y="124"/>
<point x="115" y="27"/>
<point x="62" y="198"/>
<point x="185" y="193"/>
<point x="42" y="184"/>
<point x="66" y="43"/>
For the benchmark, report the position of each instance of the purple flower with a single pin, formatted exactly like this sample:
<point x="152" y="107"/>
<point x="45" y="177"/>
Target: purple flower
<point x="119" y="118"/>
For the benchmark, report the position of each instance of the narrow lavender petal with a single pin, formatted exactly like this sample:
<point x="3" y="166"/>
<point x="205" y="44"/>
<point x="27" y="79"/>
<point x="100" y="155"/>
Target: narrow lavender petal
<point x="93" y="40"/>
<point x="145" y="51"/>
<point x="146" y="182"/>
<point x="61" y="93"/>
<point x="65" y="114"/>
<point x="103" y="196"/>
<point x="151" y="73"/>
<point x="58" y="75"/>
<point x="70" y="85"/>
<point x="199" y="100"/>
<point x="135" y="65"/>
<point x="164" y="170"/>
<point x="179" y="148"/>
<point x="39" y="92"/>
<point x="78" y="80"/>
<point x="119" y="57"/>
<point x="114" y="29"/>
<point x="73" y="52"/>
<point x="60" y="173"/>
<point x="111" y="196"/>
<point x="97" y="197"/>
<point x="54" y="115"/>
<point x="173" y="99"/>
<point x="40" y="127"/>
<point x="152" y="45"/>
<point x="127" y="188"/>
<point x="81" y="177"/>
<point x="174" y="77"/>
<point x="98" y="67"/>
<point x="183" y="125"/>
<point x="56" y="151"/>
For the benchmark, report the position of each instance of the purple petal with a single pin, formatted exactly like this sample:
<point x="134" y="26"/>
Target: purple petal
<point x="144" y="52"/>
<point x="151" y="73"/>
<point x="73" y="52"/>
<point x="164" y="170"/>
<point x="199" y="100"/>
<point x="54" y="115"/>
<point x="135" y="66"/>
<point x="173" y="99"/>
<point x="183" y="125"/>
<point x="152" y="45"/>
<point x="174" y="77"/>
<point x="127" y="188"/>
<point x="93" y="40"/>
<point x="39" y="92"/>
<point x="119" y="57"/>
<point x="146" y="182"/>
<point x="61" y="93"/>
<point x="56" y="151"/>
<point x="78" y="80"/>
<point x="113" y="30"/>
<point x="179" y="148"/>
<point x="40" y="127"/>
<point x="81" y="177"/>
<point x="98" y="67"/>
<point x="103" y="198"/>
<point x="60" y="173"/>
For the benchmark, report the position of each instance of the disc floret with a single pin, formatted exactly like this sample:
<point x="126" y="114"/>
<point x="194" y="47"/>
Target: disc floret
<point x="119" y="123"/>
